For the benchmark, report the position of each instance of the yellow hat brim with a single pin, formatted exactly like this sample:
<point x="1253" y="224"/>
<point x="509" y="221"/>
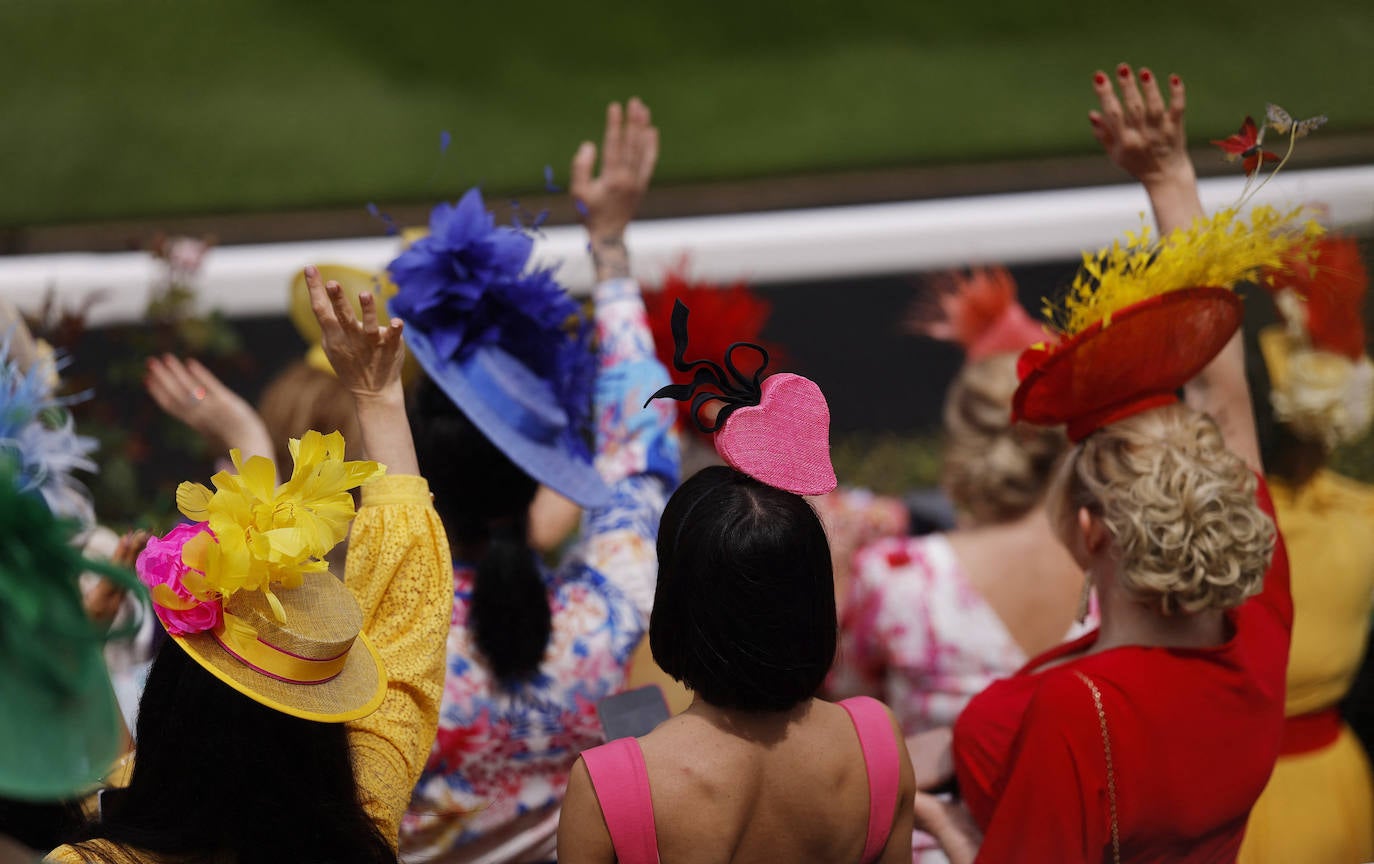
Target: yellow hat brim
<point x="354" y="693"/>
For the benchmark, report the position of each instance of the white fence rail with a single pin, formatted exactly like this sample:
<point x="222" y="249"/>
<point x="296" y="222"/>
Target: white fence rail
<point x="823" y="243"/>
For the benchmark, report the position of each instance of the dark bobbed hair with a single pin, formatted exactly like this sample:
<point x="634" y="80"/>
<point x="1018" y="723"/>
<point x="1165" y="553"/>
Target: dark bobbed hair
<point x="221" y="777"/>
<point x="744" y="614"/>
<point x="483" y="499"/>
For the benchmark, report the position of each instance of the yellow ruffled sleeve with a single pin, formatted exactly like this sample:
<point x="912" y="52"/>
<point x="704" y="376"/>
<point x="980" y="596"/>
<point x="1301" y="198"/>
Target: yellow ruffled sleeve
<point x="400" y="570"/>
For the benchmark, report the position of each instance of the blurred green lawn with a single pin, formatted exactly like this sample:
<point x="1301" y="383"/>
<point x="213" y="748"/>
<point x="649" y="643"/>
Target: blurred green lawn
<point x="153" y="107"/>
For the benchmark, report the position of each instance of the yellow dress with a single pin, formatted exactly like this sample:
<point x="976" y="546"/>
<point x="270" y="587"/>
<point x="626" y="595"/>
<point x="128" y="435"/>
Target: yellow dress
<point x="400" y="571"/>
<point x="1319" y="805"/>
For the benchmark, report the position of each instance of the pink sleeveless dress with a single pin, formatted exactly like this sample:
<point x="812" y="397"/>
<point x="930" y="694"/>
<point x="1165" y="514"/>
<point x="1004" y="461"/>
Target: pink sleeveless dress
<point x="621" y="784"/>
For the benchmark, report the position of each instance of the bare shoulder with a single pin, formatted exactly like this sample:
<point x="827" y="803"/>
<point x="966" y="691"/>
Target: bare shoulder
<point x="582" y="834"/>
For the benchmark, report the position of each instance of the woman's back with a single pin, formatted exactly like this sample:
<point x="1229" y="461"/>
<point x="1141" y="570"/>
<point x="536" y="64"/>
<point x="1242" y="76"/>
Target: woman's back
<point x="933" y="620"/>
<point x="732" y="786"/>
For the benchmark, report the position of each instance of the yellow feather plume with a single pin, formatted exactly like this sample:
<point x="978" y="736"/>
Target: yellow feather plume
<point x="1219" y="251"/>
<point x="268" y="535"/>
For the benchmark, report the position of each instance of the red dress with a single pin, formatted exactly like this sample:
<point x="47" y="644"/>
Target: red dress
<point x="1194" y="734"/>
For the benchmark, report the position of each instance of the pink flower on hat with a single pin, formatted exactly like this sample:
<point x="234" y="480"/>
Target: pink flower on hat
<point x="160" y="566"/>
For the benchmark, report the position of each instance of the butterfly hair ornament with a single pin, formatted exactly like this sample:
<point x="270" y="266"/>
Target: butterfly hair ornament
<point x="776" y="429"/>
<point x="1247" y="145"/>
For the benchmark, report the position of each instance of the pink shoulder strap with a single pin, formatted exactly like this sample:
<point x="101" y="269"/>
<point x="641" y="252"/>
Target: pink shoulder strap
<point x="879" y="744"/>
<point x="621" y="784"/>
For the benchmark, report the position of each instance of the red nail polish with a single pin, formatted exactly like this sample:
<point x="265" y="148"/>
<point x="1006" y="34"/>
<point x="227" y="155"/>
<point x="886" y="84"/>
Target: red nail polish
<point x="1145" y="75"/>
<point x="1174" y="80"/>
<point x="1123" y="70"/>
<point x="1100" y="79"/>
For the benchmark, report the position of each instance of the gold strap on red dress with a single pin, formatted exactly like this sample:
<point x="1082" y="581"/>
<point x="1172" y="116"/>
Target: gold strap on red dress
<point x="1111" y="770"/>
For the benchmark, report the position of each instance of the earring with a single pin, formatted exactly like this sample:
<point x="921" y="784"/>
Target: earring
<point x="1085" y="598"/>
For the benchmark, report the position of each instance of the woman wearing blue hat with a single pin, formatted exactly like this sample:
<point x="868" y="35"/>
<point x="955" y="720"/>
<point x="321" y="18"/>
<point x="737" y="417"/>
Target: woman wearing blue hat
<point x="515" y="396"/>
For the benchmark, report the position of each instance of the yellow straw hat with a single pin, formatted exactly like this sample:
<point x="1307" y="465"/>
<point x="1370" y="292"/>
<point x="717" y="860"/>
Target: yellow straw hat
<point x="317" y="666"/>
<point x="246" y="592"/>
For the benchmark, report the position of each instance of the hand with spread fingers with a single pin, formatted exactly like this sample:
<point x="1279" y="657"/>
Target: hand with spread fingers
<point x="1145" y="136"/>
<point x="192" y="394"/>
<point x="607" y="202"/>
<point x="367" y="357"/>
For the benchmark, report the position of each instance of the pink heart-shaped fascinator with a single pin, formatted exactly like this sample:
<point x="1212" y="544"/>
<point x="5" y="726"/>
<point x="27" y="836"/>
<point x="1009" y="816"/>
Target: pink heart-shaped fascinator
<point x="776" y="430"/>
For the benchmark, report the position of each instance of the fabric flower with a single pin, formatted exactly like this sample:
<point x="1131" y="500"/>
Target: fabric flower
<point x="467" y="284"/>
<point x="163" y="568"/>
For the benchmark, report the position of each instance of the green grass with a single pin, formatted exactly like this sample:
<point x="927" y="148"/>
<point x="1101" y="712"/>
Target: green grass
<point x="116" y="108"/>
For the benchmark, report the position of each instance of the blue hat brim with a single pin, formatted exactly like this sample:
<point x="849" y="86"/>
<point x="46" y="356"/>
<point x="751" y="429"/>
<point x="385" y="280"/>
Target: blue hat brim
<point x="551" y="464"/>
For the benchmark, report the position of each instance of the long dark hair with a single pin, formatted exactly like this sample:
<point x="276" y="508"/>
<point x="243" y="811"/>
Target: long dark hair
<point x="483" y="500"/>
<point x="221" y="777"/>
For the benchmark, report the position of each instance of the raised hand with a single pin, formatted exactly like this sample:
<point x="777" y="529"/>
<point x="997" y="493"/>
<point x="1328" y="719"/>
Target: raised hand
<point x="1146" y="138"/>
<point x="367" y="357"/>
<point x="1139" y="131"/>
<point x="192" y="394"/>
<point x="607" y="203"/>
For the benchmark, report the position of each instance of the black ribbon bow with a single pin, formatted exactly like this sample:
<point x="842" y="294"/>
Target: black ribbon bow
<point x="731" y="386"/>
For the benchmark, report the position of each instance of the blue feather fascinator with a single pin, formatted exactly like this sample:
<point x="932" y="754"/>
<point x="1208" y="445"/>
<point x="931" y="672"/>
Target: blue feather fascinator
<point x="38" y="439"/>
<point x="503" y="340"/>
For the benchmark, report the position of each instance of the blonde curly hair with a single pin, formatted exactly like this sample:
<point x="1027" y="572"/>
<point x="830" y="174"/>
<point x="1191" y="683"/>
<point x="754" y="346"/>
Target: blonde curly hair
<point x="1181" y="507"/>
<point x="994" y="470"/>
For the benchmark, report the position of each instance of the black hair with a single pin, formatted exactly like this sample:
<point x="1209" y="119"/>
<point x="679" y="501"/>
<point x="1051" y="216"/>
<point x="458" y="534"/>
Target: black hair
<point x="219" y="776"/>
<point x="483" y="499"/>
<point x="39" y="824"/>
<point x="744" y="613"/>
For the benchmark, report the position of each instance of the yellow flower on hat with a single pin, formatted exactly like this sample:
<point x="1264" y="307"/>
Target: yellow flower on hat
<point x="265" y="535"/>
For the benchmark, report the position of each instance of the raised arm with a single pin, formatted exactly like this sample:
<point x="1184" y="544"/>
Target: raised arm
<point x="636" y="453"/>
<point x="607" y="203"/>
<point x="1146" y="138"/>
<point x="192" y="394"/>
<point x="398" y="561"/>
<point x="367" y="358"/>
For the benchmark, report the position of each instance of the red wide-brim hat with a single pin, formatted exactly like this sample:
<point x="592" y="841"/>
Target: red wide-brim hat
<point x="1136" y="359"/>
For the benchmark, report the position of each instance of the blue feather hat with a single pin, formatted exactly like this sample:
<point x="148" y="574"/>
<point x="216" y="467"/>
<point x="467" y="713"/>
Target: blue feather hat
<point x="504" y="341"/>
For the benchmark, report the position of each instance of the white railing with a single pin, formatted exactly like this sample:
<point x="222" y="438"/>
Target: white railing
<point x="795" y="245"/>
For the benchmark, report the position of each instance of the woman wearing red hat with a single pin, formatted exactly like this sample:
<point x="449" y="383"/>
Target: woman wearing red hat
<point x="1150" y="738"/>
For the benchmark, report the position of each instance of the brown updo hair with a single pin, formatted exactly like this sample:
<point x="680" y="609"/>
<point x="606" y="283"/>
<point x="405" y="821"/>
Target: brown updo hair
<point x="302" y="398"/>
<point x="1181" y="508"/>
<point x="995" y="471"/>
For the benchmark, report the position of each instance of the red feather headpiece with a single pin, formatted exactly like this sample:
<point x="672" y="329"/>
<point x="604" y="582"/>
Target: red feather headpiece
<point x="1332" y="286"/>
<point x="979" y="311"/>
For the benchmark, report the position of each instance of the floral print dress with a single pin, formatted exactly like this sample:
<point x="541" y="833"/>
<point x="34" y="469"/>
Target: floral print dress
<point x="497" y="774"/>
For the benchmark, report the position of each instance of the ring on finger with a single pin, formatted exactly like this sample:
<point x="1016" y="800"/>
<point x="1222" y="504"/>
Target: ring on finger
<point x="198" y="394"/>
